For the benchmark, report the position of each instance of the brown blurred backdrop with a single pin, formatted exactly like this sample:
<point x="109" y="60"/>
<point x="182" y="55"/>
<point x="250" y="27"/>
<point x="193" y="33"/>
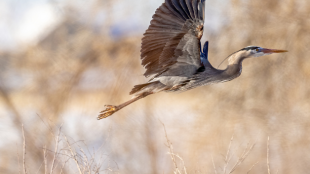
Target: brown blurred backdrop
<point x="90" y="57"/>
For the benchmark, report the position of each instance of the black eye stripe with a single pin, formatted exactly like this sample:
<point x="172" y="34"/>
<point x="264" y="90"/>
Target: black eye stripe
<point x="250" y="48"/>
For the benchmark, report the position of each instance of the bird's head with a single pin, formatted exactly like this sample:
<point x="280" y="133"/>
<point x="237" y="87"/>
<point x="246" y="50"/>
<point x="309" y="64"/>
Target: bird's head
<point x="255" y="51"/>
<point x="248" y="52"/>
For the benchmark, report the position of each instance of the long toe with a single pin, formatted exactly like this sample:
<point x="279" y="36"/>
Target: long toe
<point x="110" y="109"/>
<point x="104" y="115"/>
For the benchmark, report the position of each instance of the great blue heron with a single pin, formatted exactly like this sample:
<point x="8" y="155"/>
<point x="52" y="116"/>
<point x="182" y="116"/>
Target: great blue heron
<point x="171" y="53"/>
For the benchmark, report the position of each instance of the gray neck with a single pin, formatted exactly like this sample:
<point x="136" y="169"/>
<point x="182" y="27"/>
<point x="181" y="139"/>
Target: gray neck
<point x="234" y="66"/>
<point x="216" y="76"/>
<point x="212" y="75"/>
<point x="231" y="72"/>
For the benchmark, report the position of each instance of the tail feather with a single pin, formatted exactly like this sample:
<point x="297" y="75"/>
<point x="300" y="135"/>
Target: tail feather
<point x="137" y="88"/>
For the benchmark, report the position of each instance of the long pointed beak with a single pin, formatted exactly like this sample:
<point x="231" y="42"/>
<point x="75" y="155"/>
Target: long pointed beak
<point x="265" y="50"/>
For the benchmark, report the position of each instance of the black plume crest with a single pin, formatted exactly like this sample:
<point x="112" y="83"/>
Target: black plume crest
<point x="250" y="48"/>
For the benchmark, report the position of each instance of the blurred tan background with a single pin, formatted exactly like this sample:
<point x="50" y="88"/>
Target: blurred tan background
<point x="62" y="61"/>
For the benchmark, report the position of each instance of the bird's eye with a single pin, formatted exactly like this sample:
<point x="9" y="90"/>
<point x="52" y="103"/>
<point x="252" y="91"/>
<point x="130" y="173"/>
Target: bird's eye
<point x="257" y="50"/>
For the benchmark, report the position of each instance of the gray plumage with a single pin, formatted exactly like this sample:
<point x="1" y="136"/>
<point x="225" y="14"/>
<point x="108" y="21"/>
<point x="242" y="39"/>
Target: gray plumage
<point x="171" y="53"/>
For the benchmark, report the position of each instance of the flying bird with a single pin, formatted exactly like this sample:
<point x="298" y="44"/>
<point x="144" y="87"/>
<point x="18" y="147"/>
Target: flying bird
<point x="173" y="56"/>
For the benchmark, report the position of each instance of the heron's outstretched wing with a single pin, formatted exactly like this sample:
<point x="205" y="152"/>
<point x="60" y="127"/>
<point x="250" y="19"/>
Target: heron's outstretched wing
<point x="171" y="44"/>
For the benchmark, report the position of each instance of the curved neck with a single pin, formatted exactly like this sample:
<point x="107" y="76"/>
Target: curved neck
<point x="234" y="67"/>
<point x="237" y="58"/>
<point x="232" y="71"/>
<point x="216" y="75"/>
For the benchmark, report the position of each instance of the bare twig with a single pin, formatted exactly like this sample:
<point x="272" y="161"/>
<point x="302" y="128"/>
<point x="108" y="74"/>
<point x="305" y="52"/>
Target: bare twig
<point x="45" y="159"/>
<point x="56" y="150"/>
<point x="227" y="158"/>
<point x="85" y="160"/>
<point x="73" y="154"/>
<point x="184" y="168"/>
<point x="242" y="158"/>
<point x="90" y="161"/>
<point x="170" y="147"/>
<point x="214" y="166"/>
<point x="47" y="125"/>
<point x="63" y="166"/>
<point x="38" y="170"/>
<point x="24" y="150"/>
<point x="101" y="156"/>
<point x="19" y="170"/>
<point x="268" y="166"/>
<point x="172" y="154"/>
<point x="252" y="167"/>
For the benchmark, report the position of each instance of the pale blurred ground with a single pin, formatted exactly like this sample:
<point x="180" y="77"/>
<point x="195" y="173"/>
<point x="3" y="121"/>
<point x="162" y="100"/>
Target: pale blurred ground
<point x="62" y="61"/>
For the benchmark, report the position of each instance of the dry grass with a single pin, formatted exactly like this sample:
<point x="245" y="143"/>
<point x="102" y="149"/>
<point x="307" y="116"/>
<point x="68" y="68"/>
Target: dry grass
<point x="66" y="153"/>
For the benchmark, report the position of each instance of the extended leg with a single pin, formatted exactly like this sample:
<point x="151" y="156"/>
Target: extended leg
<point x="110" y="109"/>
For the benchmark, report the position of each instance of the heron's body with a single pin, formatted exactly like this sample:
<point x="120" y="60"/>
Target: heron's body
<point x="171" y="53"/>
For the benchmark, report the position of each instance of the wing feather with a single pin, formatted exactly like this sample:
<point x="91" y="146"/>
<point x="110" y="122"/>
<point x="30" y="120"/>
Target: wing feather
<point x="190" y="8"/>
<point x="171" y="43"/>
<point x="195" y="5"/>
<point x="201" y="10"/>
<point x="178" y="6"/>
<point x="173" y="10"/>
<point x="185" y="8"/>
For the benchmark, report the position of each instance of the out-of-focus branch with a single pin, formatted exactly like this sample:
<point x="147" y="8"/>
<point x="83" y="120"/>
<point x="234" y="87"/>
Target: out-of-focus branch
<point x="24" y="150"/>
<point x="7" y="101"/>
<point x="268" y="164"/>
<point x="17" y="120"/>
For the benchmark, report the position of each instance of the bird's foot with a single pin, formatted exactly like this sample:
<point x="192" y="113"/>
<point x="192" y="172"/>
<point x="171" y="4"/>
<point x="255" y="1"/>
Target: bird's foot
<point x="110" y="109"/>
